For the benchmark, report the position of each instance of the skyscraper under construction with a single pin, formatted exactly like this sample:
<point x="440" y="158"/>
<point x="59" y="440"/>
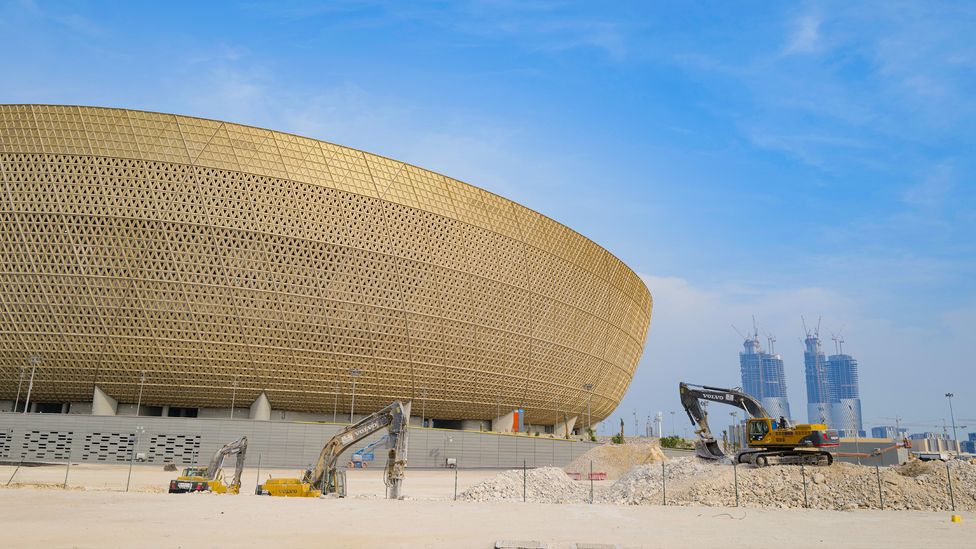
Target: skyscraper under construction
<point x="763" y="376"/>
<point x="833" y="393"/>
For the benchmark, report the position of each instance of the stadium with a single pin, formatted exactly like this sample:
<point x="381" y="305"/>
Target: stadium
<point x="157" y="264"/>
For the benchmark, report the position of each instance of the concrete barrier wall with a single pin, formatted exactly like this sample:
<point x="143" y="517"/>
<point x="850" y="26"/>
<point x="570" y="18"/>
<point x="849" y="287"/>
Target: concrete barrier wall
<point x="108" y="439"/>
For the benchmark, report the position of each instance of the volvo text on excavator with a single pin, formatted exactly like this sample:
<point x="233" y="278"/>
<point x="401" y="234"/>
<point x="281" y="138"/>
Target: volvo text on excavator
<point x="325" y="478"/>
<point x="769" y="440"/>
<point x="211" y="477"/>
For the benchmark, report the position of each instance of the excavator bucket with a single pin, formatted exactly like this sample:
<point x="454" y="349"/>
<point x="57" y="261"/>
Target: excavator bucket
<point x="709" y="449"/>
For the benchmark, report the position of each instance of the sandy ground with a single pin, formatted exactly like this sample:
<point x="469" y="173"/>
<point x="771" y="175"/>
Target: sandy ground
<point x="97" y="516"/>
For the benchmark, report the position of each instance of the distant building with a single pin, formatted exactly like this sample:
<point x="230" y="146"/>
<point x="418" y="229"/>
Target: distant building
<point x="845" y="397"/>
<point x="764" y="378"/>
<point x="818" y="385"/>
<point x="968" y="446"/>
<point x="932" y="443"/>
<point x="889" y="432"/>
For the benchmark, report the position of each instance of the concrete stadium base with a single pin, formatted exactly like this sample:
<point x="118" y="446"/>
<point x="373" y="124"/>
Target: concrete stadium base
<point x="114" y="439"/>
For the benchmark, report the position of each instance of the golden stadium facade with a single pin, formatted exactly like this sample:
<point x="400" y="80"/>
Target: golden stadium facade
<point x="221" y="261"/>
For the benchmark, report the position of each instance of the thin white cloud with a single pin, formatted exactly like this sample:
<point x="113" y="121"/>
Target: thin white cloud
<point x="805" y="35"/>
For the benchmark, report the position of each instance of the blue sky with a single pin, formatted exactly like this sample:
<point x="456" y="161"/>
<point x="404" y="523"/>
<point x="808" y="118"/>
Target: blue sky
<point x="767" y="159"/>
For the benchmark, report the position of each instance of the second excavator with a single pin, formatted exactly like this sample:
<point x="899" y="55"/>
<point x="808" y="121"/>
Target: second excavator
<point x="211" y="477"/>
<point x="327" y="479"/>
<point x="769" y="440"/>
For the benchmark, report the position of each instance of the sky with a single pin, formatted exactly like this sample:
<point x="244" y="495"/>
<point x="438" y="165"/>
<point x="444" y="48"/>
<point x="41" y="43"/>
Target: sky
<point x="764" y="160"/>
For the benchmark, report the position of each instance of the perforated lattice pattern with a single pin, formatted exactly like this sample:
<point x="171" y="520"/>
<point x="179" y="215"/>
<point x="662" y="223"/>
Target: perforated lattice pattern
<point x="5" y="438"/>
<point x="182" y="449"/>
<point x="204" y="252"/>
<point x="47" y="445"/>
<point x="111" y="447"/>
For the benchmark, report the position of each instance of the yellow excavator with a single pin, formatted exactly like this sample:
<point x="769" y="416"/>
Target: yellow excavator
<point x="211" y="477"/>
<point x="326" y="478"/>
<point x="769" y="441"/>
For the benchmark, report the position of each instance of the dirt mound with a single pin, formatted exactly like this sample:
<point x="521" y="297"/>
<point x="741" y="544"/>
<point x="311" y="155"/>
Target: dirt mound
<point x="616" y="459"/>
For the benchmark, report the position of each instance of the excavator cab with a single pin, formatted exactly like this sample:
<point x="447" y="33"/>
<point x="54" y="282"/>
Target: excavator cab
<point x="759" y="429"/>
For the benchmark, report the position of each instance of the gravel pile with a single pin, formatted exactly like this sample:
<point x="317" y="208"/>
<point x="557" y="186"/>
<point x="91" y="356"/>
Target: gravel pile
<point x="842" y="486"/>
<point x="616" y="459"/>
<point x="642" y="484"/>
<point x="694" y="481"/>
<point x="543" y="485"/>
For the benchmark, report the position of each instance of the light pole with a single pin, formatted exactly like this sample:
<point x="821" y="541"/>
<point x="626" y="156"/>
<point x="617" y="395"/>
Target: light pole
<point x="673" y="431"/>
<point x="132" y="459"/>
<point x="34" y="360"/>
<point x="735" y="430"/>
<point x="142" y="381"/>
<point x="636" y="432"/>
<point x="335" y="405"/>
<point x="19" y="384"/>
<point x="953" y="417"/>
<point x="423" y="407"/>
<point x="857" y="433"/>
<point x="233" y="398"/>
<point x="354" y="372"/>
<point x="588" y="387"/>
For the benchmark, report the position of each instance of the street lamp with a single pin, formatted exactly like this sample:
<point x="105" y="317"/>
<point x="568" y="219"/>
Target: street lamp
<point x="735" y="430"/>
<point x="857" y="432"/>
<point x="142" y="381"/>
<point x="335" y="405"/>
<point x="19" y="384"/>
<point x="673" y="431"/>
<point x="34" y="360"/>
<point x="423" y="407"/>
<point x="354" y="372"/>
<point x="588" y="387"/>
<point x="233" y="398"/>
<point x="951" y="415"/>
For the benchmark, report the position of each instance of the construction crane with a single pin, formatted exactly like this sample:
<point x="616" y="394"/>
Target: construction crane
<point x="211" y="477"/>
<point x="769" y="440"/>
<point x="326" y="479"/>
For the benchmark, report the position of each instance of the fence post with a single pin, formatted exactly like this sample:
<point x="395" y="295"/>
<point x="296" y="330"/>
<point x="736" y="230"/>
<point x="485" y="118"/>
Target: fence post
<point x="877" y="472"/>
<point x="591" y="482"/>
<point x="22" y="457"/>
<point x="523" y="481"/>
<point x="66" y="469"/>
<point x="735" y="480"/>
<point x="803" y="473"/>
<point x="258" y="483"/>
<point x="952" y="501"/>
<point x="132" y="459"/>
<point x="664" y="486"/>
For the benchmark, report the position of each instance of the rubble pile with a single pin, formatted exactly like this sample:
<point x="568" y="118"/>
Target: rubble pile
<point x="543" y="485"/>
<point x="842" y="486"/>
<point x="694" y="481"/>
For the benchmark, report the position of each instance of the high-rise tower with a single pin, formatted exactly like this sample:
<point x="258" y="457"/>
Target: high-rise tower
<point x="763" y="377"/>
<point x="818" y="385"/>
<point x="845" y="396"/>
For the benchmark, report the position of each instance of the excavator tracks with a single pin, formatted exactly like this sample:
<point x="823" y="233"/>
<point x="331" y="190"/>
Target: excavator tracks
<point x="762" y="458"/>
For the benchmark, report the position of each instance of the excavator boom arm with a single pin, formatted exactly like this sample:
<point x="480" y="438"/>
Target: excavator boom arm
<point x="393" y="416"/>
<point x="238" y="447"/>
<point x="692" y="396"/>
